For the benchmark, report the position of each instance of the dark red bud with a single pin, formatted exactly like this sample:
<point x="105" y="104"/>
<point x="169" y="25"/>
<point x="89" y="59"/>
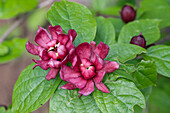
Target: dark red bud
<point x="139" y="40"/>
<point x="128" y="14"/>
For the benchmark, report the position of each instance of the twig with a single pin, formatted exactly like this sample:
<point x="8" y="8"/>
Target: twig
<point x="18" y="22"/>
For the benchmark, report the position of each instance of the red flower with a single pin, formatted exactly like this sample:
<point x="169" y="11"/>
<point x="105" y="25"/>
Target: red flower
<point x="53" y="49"/>
<point x="139" y="40"/>
<point x="88" y="68"/>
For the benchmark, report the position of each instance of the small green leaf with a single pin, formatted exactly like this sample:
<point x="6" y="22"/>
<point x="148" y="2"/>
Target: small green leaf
<point x="71" y="15"/>
<point x="124" y="52"/>
<point x="3" y="50"/>
<point x="148" y="28"/>
<point x="67" y="101"/>
<point x="156" y="9"/>
<point x="123" y="96"/>
<point x="32" y="90"/>
<point x="16" y="47"/>
<point x="147" y="92"/>
<point x="161" y="55"/>
<point x="105" y="31"/>
<point x="10" y="9"/>
<point x="145" y="74"/>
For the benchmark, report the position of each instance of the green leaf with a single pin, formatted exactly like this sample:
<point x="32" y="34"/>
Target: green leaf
<point x="2" y="110"/>
<point x="123" y="96"/>
<point x="147" y="92"/>
<point x="10" y="9"/>
<point x="161" y="55"/>
<point x="3" y="50"/>
<point x="16" y="47"/>
<point x="67" y="101"/>
<point x="99" y="5"/>
<point x="32" y="90"/>
<point x="105" y="31"/>
<point x="159" y="100"/>
<point x="71" y="15"/>
<point x="156" y="9"/>
<point x="38" y="17"/>
<point x="113" y="10"/>
<point x="124" y="52"/>
<point x="148" y="28"/>
<point x="145" y="74"/>
<point x="117" y="23"/>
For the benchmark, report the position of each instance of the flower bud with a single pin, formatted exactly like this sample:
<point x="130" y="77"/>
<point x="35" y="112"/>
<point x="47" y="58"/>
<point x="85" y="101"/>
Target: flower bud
<point x="128" y="14"/>
<point x="139" y="40"/>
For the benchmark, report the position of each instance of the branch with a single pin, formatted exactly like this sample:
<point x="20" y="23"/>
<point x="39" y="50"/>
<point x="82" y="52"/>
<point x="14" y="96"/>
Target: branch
<point x="20" y="20"/>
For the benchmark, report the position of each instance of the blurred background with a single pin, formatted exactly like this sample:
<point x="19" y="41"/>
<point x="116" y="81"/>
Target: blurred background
<point x="22" y="25"/>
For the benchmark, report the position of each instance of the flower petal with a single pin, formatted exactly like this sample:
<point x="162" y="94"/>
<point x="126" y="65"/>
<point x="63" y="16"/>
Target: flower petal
<point x="63" y="39"/>
<point x="93" y="45"/>
<point x="32" y="48"/>
<point x="67" y="73"/>
<point x="79" y="82"/>
<point x="87" y="73"/>
<point x="97" y="61"/>
<point x="42" y="37"/>
<point x="102" y="50"/>
<point x="69" y="86"/>
<point x="99" y="77"/>
<point x="43" y="64"/>
<point x="100" y="86"/>
<point x="44" y="55"/>
<point x="54" y="63"/>
<point x="52" y="54"/>
<point x="110" y="66"/>
<point x="86" y="63"/>
<point x="72" y="34"/>
<point x="56" y="30"/>
<point x="70" y="45"/>
<point x="62" y="51"/>
<point x="88" y="89"/>
<point x="52" y="43"/>
<point x="52" y="74"/>
<point x="84" y="50"/>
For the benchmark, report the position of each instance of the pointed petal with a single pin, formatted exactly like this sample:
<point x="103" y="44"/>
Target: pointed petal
<point x="72" y="34"/>
<point x="44" y="55"/>
<point x="62" y="51"/>
<point x="43" y="64"/>
<point x="87" y="73"/>
<point x="97" y="61"/>
<point x="100" y="86"/>
<point x="56" y="30"/>
<point x="52" y="74"/>
<point x="88" y="89"/>
<point x="32" y="48"/>
<point x="84" y="51"/>
<point x="54" y="63"/>
<point x="99" y="77"/>
<point x="79" y="82"/>
<point x="42" y="37"/>
<point x="70" y="45"/>
<point x="52" y="43"/>
<point x="102" y="50"/>
<point x="93" y="45"/>
<point x="63" y="39"/>
<point x="52" y="54"/>
<point x="110" y="66"/>
<point x="69" y="86"/>
<point x="67" y="73"/>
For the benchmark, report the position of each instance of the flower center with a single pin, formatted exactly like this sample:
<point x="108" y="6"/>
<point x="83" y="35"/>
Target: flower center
<point x="52" y="52"/>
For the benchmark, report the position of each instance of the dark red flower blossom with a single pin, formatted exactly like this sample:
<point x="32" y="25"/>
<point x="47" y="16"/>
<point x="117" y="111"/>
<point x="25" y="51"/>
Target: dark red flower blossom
<point x="128" y="14"/>
<point x="88" y="68"/>
<point x="139" y="40"/>
<point x="53" y="49"/>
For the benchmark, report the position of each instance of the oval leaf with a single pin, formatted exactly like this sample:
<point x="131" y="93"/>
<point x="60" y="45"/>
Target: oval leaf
<point x="67" y="101"/>
<point x="3" y="50"/>
<point x="145" y="74"/>
<point x="105" y="31"/>
<point x="124" y="52"/>
<point x="161" y="55"/>
<point x="148" y="28"/>
<point x="32" y="90"/>
<point x="123" y="96"/>
<point x="71" y="15"/>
